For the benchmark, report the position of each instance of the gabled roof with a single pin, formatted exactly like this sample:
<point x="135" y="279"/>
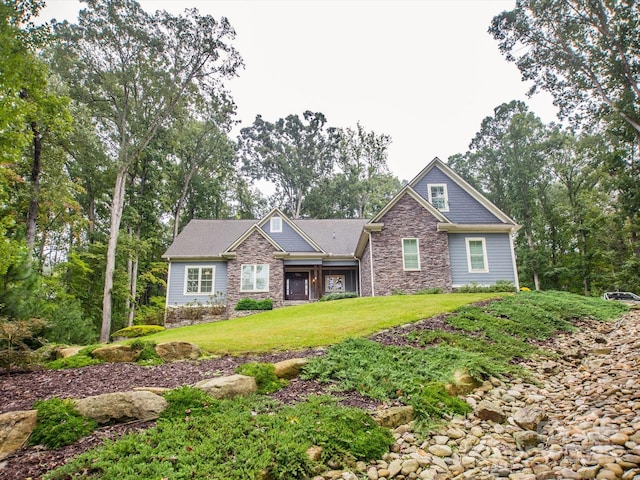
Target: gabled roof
<point x="334" y="236"/>
<point x="408" y="190"/>
<point x="255" y="228"/>
<point x="436" y="162"/>
<point x="277" y="212"/>
<point x="207" y="238"/>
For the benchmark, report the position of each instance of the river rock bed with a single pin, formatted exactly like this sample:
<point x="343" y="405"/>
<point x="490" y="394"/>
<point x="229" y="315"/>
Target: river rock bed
<point x="585" y="409"/>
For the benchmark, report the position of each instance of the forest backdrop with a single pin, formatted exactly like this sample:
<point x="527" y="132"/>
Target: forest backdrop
<point x="116" y="131"/>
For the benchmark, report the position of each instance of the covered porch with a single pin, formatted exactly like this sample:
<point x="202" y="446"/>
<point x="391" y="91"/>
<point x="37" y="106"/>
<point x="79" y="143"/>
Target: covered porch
<point x="309" y="280"/>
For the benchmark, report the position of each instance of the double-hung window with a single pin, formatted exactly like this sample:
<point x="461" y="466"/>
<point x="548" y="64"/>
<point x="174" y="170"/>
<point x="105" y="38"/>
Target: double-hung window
<point x="199" y="280"/>
<point x="410" y="254"/>
<point x="477" y="255"/>
<point x="438" y="196"/>
<point x="254" y="278"/>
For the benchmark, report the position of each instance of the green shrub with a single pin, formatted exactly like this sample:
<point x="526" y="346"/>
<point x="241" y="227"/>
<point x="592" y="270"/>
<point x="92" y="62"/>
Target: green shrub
<point x="338" y="296"/>
<point x="148" y="354"/>
<point x="186" y="401"/>
<point x="137" y="331"/>
<point x="76" y="361"/>
<point x="252" y="304"/>
<point x="152" y="314"/>
<point x="499" y="286"/>
<point x="429" y="291"/>
<point x="59" y="424"/>
<point x="265" y="376"/>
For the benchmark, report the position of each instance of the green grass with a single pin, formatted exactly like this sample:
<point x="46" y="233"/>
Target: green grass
<point x="317" y="324"/>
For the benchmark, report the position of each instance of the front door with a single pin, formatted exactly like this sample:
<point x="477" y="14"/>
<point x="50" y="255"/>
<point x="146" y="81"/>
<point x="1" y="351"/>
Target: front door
<point x="297" y="286"/>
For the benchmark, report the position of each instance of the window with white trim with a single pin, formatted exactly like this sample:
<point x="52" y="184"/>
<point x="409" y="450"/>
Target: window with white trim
<point x="438" y="196"/>
<point x="275" y="225"/>
<point x="254" y="278"/>
<point x="198" y="280"/>
<point x="477" y="255"/>
<point x="410" y="254"/>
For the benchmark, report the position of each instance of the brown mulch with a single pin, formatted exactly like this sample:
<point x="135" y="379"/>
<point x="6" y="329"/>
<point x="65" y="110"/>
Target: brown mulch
<point x="20" y="390"/>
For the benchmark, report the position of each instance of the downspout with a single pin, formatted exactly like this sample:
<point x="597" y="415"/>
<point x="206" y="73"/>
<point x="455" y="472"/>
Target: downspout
<point x="515" y="266"/>
<point x="373" y="288"/>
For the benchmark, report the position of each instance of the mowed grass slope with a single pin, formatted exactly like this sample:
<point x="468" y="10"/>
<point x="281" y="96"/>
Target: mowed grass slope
<point x="316" y="324"/>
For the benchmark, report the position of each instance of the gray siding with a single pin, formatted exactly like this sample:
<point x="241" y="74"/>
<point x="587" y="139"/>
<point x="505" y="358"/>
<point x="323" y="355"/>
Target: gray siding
<point x="175" y="288"/>
<point x="288" y="239"/>
<point x="463" y="208"/>
<point x="499" y="259"/>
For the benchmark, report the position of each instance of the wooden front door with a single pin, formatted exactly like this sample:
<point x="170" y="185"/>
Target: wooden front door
<point x="297" y="286"/>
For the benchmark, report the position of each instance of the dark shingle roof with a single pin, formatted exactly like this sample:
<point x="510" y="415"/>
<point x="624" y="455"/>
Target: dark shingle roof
<point x="209" y="238"/>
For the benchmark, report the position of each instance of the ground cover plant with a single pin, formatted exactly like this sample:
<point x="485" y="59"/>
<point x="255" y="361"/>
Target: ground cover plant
<point x="316" y="324"/>
<point x="254" y="437"/>
<point x="59" y="423"/>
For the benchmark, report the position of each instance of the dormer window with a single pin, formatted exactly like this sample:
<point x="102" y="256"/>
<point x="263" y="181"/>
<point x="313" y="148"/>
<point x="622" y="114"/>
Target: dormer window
<point x="438" y="196"/>
<point x="276" y="225"/>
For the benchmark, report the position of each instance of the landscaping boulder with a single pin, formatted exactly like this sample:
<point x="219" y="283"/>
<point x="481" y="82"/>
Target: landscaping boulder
<point x="462" y="384"/>
<point x="15" y="428"/>
<point x="68" y="352"/>
<point x="172" y="351"/>
<point x="394" y="417"/>
<point x="228" y="387"/>
<point x="289" y="368"/>
<point x="122" y="406"/>
<point x="530" y="418"/>
<point x="527" y="440"/>
<point x="490" y="412"/>
<point x="116" y="353"/>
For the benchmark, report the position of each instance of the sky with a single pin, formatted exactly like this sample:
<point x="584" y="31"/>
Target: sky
<point x="425" y="72"/>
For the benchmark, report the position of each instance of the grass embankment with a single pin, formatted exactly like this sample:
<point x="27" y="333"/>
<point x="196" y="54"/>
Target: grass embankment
<point x="317" y="324"/>
<point x="198" y="437"/>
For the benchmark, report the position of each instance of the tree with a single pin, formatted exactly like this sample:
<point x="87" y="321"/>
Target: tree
<point x="508" y="160"/>
<point x="133" y="71"/>
<point x="295" y="154"/>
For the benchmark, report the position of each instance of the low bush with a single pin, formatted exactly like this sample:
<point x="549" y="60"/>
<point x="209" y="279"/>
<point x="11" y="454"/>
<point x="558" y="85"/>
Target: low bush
<point x="499" y="286"/>
<point x="250" y="437"/>
<point x="76" y="361"/>
<point x="59" y="424"/>
<point x="265" y="376"/>
<point x="148" y="354"/>
<point x="252" y="304"/>
<point x="338" y="296"/>
<point x="137" y="331"/>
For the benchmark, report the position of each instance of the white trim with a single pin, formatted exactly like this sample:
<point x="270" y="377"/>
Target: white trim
<point x="199" y="267"/>
<point x="275" y="224"/>
<point x="484" y="254"/>
<point x="515" y="265"/>
<point x="254" y="289"/>
<point x="446" y="195"/>
<point x="404" y="263"/>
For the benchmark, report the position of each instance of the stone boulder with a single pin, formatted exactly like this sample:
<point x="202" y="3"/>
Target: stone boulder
<point x="462" y="384"/>
<point x="228" y="387"/>
<point x="68" y="352"/>
<point x="289" y="368"/>
<point x="15" y="429"/>
<point x="527" y="440"/>
<point x="490" y="412"/>
<point x="530" y="418"/>
<point x="116" y="353"/>
<point x="394" y="417"/>
<point x="172" y="351"/>
<point x="122" y="406"/>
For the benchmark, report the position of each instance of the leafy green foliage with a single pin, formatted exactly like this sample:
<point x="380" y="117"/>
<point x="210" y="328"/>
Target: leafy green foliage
<point x="137" y="331"/>
<point x="148" y="354"/>
<point x="59" y="424"/>
<point x="338" y="296"/>
<point x="75" y="361"/>
<point x="499" y="286"/>
<point x="252" y="304"/>
<point x="199" y="437"/>
<point x="265" y="376"/>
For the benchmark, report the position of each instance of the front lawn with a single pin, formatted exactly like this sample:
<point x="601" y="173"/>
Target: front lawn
<point x="316" y="324"/>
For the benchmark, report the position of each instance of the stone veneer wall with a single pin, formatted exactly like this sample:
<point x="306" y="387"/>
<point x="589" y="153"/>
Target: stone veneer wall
<point x="255" y="250"/>
<point x="365" y="273"/>
<point x="408" y="219"/>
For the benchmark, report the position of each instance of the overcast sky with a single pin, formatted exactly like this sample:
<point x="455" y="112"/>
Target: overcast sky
<point x="425" y="72"/>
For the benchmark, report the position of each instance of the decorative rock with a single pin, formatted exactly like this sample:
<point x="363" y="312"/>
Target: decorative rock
<point x="121" y="406"/>
<point x="15" y="429"/>
<point x="409" y="466"/>
<point x="116" y="353"/>
<point x="462" y="384"/>
<point x="526" y="440"/>
<point x="440" y="450"/>
<point x="314" y="452"/>
<point x="68" y="351"/>
<point x="530" y="417"/>
<point x="289" y="368"/>
<point x="394" y="416"/>
<point x="394" y="468"/>
<point x="173" y="351"/>
<point x="490" y="412"/>
<point x="228" y="387"/>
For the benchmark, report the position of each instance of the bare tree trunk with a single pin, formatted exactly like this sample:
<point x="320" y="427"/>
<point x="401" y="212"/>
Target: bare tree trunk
<point x="117" y="206"/>
<point x="183" y="197"/>
<point x="36" y="169"/>
<point x="532" y="248"/>
<point x="134" y="285"/>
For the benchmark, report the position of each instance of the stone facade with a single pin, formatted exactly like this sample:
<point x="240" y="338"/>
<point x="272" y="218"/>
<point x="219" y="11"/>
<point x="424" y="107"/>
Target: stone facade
<point x="365" y="273"/>
<point x="408" y="219"/>
<point x="255" y="250"/>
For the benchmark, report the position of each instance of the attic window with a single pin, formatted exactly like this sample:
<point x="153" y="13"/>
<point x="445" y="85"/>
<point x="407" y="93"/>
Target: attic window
<point x="438" y="196"/>
<point x="275" y="225"/>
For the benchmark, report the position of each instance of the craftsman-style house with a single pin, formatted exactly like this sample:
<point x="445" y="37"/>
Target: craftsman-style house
<point x="437" y="232"/>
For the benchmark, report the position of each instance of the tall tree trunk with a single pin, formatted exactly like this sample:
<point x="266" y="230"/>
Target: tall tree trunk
<point x="534" y="268"/>
<point x="36" y="169"/>
<point x="181" y="200"/>
<point x="117" y="206"/>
